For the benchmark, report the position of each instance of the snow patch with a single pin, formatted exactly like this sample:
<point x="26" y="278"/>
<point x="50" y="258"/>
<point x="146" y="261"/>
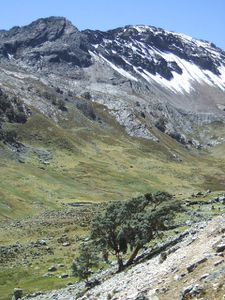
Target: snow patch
<point x="119" y="70"/>
<point x="10" y="56"/>
<point x="180" y="83"/>
<point x="142" y="28"/>
<point x="190" y="73"/>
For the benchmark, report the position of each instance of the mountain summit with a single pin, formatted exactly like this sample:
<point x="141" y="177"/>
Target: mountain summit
<point x="50" y="40"/>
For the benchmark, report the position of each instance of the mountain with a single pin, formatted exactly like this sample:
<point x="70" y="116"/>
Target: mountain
<point x="88" y="117"/>
<point x="147" y="78"/>
<point x="105" y="108"/>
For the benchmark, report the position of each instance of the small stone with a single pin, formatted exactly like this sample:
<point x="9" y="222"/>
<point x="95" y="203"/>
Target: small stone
<point x="220" y="248"/>
<point x="42" y="242"/>
<point x="69" y="283"/>
<point x="219" y="262"/>
<point x="52" y="269"/>
<point x="177" y="277"/>
<point x="109" y="296"/>
<point x="61" y="265"/>
<point x="221" y="198"/>
<point x="196" y="264"/>
<point x="204" y="276"/>
<point x="21" y="160"/>
<point x="46" y="275"/>
<point x="188" y="222"/>
<point x="63" y="276"/>
<point x="35" y="294"/>
<point x="66" y="244"/>
<point x="219" y="254"/>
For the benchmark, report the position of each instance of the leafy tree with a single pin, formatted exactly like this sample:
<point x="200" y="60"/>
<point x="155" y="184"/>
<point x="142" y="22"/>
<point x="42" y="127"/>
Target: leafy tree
<point x="129" y="225"/>
<point x="87" y="259"/>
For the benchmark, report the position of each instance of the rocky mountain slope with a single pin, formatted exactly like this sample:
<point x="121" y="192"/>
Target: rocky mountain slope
<point x="106" y="108"/>
<point x="148" y="79"/>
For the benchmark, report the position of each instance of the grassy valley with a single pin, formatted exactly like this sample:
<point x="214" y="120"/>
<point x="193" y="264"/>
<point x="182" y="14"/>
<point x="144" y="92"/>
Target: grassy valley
<point x="62" y="166"/>
<point x="67" y="164"/>
<point x="59" y="166"/>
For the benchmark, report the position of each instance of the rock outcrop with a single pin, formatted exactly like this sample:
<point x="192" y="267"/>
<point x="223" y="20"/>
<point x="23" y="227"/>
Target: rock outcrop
<point x="46" y="42"/>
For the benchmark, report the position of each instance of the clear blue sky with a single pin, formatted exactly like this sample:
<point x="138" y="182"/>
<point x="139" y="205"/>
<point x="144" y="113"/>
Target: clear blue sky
<point x="199" y="18"/>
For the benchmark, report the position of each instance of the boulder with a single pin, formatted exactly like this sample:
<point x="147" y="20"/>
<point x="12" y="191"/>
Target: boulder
<point x="193" y="266"/>
<point x="218" y="262"/>
<point x="17" y="294"/>
<point x="219" y="247"/>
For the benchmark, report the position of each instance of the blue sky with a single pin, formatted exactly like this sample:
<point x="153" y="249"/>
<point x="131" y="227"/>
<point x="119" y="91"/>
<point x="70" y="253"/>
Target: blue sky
<point x="203" y="19"/>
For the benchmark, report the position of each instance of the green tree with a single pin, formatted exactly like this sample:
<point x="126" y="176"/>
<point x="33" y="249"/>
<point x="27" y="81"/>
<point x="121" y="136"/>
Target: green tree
<point x="126" y="226"/>
<point x="87" y="259"/>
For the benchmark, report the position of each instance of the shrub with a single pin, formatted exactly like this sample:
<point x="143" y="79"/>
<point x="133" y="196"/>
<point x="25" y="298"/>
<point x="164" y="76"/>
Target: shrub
<point x="82" y="266"/>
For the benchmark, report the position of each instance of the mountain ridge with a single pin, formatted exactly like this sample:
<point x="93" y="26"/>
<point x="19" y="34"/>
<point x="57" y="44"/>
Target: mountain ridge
<point x="164" y="69"/>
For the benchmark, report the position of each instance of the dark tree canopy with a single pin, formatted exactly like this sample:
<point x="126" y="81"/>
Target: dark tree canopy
<point x="129" y="225"/>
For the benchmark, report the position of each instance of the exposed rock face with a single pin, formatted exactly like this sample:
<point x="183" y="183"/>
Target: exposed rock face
<point x="152" y="81"/>
<point x="55" y="40"/>
<point x="46" y="42"/>
<point x="12" y="109"/>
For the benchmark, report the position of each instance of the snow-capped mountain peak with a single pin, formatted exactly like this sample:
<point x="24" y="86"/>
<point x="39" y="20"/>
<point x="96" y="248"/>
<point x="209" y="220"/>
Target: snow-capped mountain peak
<point x="174" y="61"/>
<point x="145" y="76"/>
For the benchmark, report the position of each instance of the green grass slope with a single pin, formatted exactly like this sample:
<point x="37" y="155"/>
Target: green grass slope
<point x="88" y="161"/>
